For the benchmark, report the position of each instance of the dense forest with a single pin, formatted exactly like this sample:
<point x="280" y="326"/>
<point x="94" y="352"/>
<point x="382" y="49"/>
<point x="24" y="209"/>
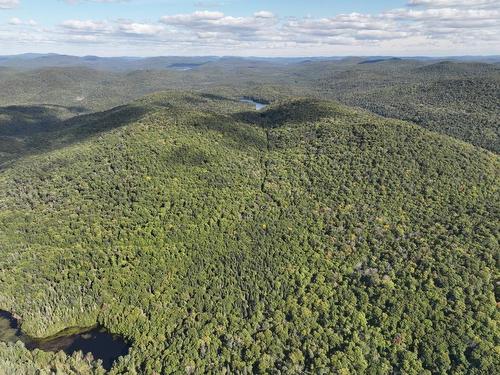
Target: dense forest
<point x="459" y="99"/>
<point x="309" y="237"/>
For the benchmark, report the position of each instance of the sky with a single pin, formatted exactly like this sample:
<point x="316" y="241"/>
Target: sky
<point x="251" y="28"/>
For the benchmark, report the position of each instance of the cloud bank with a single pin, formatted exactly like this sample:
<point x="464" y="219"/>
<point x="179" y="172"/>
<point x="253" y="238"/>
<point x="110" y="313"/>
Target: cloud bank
<point x="8" y="4"/>
<point x="421" y="27"/>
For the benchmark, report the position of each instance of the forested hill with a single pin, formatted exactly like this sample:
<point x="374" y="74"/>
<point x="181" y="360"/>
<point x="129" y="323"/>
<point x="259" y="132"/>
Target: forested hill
<point x="458" y="99"/>
<point x="306" y="238"/>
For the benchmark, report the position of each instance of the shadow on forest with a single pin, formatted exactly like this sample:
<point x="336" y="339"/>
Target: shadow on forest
<point x="19" y="120"/>
<point x="218" y="97"/>
<point x="293" y="112"/>
<point x="245" y="128"/>
<point x="243" y="134"/>
<point x="42" y="130"/>
<point x="40" y="109"/>
<point x="188" y="155"/>
<point x="85" y="126"/>
<point x="63" y="133"/>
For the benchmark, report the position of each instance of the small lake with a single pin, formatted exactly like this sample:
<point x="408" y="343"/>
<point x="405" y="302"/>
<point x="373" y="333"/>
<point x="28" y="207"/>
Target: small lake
<point x="258" y="106"/>
<point x="183" y="67"/>
<point x="96" y="340"/>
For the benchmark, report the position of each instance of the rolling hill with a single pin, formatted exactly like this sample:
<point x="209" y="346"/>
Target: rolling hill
<point x="459" y="99"/>
<point x="307" y="238"/>
<point x="456" y="99"/>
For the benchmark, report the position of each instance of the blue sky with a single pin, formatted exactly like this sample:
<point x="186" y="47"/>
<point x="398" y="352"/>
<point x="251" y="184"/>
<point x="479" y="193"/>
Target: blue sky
<point x="54" y="11"/>
<point x="258" y="27"/>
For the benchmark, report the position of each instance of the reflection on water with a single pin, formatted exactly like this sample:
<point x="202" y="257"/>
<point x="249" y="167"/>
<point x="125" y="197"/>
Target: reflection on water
<point x="95" y="340"/>
<point x="258" y="106"/>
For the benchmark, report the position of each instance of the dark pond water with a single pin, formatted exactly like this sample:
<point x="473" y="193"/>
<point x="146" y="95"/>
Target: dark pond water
<point x="258" y="106"/>
<point x="96" y="340"/>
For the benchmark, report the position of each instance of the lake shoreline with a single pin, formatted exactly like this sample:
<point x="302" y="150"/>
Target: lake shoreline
<point x="259" y="105"/>
<point x="95" y="339"/>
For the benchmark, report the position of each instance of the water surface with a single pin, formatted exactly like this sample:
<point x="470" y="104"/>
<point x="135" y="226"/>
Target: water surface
<point x="184" y="67"/>
<point x="258" y="105"/>
<point x="96" y="340"/>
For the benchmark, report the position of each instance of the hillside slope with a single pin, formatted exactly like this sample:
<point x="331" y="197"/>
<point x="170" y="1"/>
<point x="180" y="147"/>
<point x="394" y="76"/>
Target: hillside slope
<point x="461" y="100"/>
<point x="309" y="237"/>
<point x="453" y="98"/>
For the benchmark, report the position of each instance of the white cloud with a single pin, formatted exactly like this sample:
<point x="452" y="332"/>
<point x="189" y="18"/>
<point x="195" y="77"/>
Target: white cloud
<point x="140" y="28"/>
<point x="200" y="16"/>
<point x="86" y="26"/>
<point x="263" y="14"/>
<point x="453" y="3"/>
<point x="83" y="39"/>
<point x="8" y="4"/>
<point x="15" y="21"/>
<point x="444" y="14"/>
<point x="99" y="30"/>
<point x="204" y="23"/>
<point x="421" y="27"/>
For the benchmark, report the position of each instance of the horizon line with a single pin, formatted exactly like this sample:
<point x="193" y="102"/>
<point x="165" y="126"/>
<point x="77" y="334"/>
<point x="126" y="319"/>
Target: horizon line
<point x="247" y="56"/>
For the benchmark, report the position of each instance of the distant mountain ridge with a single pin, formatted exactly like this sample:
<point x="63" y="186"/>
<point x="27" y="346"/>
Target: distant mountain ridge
<point x="457" y="98"/>
<point x="127" y="63"/>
